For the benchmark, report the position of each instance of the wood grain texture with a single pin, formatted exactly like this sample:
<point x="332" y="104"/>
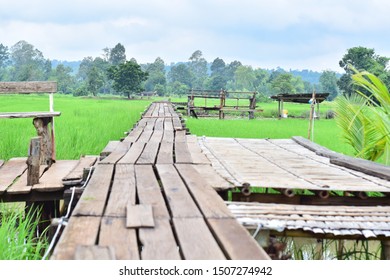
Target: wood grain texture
<point x="236" y="241"/>
<point x="94" y="252"/>
<point x="19" y="115"/>
<point x="133" y="153"/>
<point x="209" y="202"/>
<point x="158" y="243"/>
<point x="109" y="148"/>
<point x="120" y="150"/>
<point x="79" y="231"/>
<point x="51" y="180"/>
<point x="94" y="197"/>
<point x="28" y="87"/>
<point x="196" y="241"/>
<point x="139" y="216"/>
<point x="20" y="185"/>
<point x="149" y="191"/>
<point x="113" y="233"/>
<point x="10" y="171"/>
<point x="179" y="199"/>
<point x="123" y="191"/>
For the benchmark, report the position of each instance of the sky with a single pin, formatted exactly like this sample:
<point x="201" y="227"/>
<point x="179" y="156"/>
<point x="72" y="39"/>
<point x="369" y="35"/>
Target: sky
<point x="291" y="34"/>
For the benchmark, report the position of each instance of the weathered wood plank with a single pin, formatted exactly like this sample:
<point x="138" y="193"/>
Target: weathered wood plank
<point x="120" y="150"/>
<point x="236" y="241"/>
<point x="123" y="191"/>
<point x="180" y="201"/>
<point x="133" y="153"/>
<point x="94" y="197"/>
<point x="113" y="233"/>
<point x="165" y="154"/>
<point x="158" y="243"/>
<point x="51" y="180"/>
<point x="109" y="148"/>
<point x="17" y="115"/>
<point x="318" y="149"/>
<point x="139" y="216"/>
<point x="149" y="154"/>
<point x="79" y="231"/>
<point x="182" y="153"/>
<point x="209" y="202"/>
<point x="28" y="87"/>
<point x="198" y="157"/>
<point x="94" y="252"/>
<point x="10" y="171"/>
<point x="213" y="178"/>
<point x="1" y="163"/>
<point x="20" y="186"/>
<point x="149" y="191"/>
<point x="77" y="172"/>
<point x="196" y="241"/>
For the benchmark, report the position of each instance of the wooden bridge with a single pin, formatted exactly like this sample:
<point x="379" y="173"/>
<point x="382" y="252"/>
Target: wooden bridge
<point x="153" y="197"/>
<point x="161" y="193"/>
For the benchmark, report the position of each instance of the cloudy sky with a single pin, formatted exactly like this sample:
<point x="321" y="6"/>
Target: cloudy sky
<point x="292" y="34"/>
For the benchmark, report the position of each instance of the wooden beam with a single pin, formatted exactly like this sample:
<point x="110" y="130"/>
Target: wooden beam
<point x="28" y="87"/>
<point x="33" y="161"/>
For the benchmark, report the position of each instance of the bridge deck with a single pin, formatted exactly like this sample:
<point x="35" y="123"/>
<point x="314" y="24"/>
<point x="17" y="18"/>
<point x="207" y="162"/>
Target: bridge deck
<point x="154" y="197"/>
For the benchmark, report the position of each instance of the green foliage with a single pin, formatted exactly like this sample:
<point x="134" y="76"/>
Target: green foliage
<point x="117" y="55"/>
<point x="18" y="240"/>
<point x="365" y="119"/>
<point x="328" y="83"/>
<point x="362" y="59"/>
<point x="283" y="83"/>
<point x="127" y="77"/>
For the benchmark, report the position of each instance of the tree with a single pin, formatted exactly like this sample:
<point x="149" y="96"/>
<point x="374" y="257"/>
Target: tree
<point x="245" y="78"/>
<point x="117" y="54"/>
<point x="362" y="58"/>
<point x="181" y="73"/>
<point x="328" y="83"/>
<point x="198" y="67"/>
<point x="283" y="83"/>
<point x="156" y="76"/>
<point x="64" y="78"/>
<point x="127" y="77"/>
<point x="4" y="58"/>
<point x="28" y="63"/>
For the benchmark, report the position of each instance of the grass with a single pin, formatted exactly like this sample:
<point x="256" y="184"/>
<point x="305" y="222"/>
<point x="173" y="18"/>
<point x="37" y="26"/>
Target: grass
<point x="84" y="127"/>
<point x="18" y="240"/>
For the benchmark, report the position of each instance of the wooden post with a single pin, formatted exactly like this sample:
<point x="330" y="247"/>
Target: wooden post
<point x="312" y="107"/>
<point x="33" y="161"/>
<point x="47" y="144"/>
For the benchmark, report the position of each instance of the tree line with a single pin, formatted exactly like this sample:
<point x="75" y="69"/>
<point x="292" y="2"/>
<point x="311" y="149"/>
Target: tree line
<point x="114" y="73"/>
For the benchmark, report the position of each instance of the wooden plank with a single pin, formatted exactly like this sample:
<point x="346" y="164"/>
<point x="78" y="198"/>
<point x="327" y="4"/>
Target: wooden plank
<point x="318" y="149"/>
<point x="17" y="115"/>
<point x="209" y="202"/>
<point x="149" y="192"/>
<point x="179" y="199"/>
<point x="77" y="172"/>
<point x="133" y="153"/>
<point x="93" y="199"/>
<point x="94" y="252"/>
<point x="213" y="178"/>
<point x="120" y="150"/>
<point x="165" y="154"/>
<point x="1" y="163"/>
<point x="365" y="166"/>
<point x="20" y="186"/>
<point x="236" y="241"/>
<point x="198" y="157"/>
<point x="195" y="240"/>
<point x="10" y="171"/>
<point x="182" y="153"/>
<point x="158" y="243"/>
<point x="139" y="216"/>
<point x="109" y="148"/>
<point x="113" y="233"/>
<point x="51" y="180"/>
<point x="149" y="154"/>
<point x="79" y="231"/>
<point x="28" y="87"/>
<point x="134" y="134"/>
<point x="123" y="191"/>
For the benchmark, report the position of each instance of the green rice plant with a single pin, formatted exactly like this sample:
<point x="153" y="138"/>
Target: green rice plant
<point x="18" y="238"/>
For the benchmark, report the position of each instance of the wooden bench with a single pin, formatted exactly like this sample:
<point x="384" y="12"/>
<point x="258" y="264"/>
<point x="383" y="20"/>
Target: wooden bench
<point x="42" y="121"/>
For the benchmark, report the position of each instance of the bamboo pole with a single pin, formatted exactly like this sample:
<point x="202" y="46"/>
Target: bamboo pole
<point x="311" y="120"/>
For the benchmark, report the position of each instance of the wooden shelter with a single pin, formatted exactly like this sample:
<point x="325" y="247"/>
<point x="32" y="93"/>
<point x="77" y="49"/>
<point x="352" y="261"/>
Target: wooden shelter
<point x="303" y="98"/>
